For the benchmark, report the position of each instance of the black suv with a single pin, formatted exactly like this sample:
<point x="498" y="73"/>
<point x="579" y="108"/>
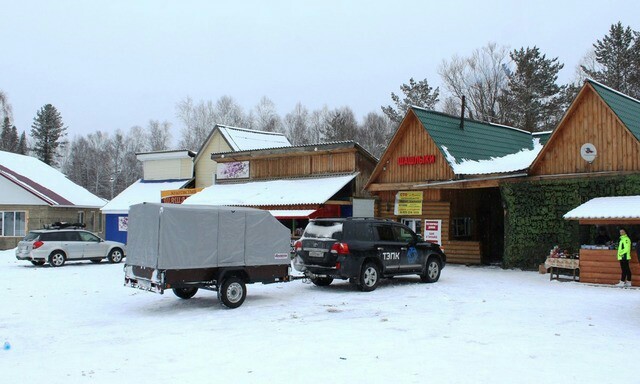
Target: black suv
<point x="363" y="250"/>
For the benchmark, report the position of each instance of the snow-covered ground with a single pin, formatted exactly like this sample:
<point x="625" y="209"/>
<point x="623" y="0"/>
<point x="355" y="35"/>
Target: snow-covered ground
<point x="78" y="324"/>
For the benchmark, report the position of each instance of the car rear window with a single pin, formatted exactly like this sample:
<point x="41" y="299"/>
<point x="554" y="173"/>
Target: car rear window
<point x="362" y="231"/>
<point x="51" y="236"/>
<point x="324" y="229"/>
<point x="32" y="236"/>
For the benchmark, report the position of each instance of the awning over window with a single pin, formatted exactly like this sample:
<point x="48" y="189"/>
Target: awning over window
<point x="307" y="191"/>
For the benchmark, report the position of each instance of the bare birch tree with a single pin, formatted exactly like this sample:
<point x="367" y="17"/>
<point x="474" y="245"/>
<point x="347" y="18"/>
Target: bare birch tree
<point x="375" y="132"/>
<point x="296" y="124"/>
<point x="318" y="124"/>
<point x="158" y="135"/>
<point x="265" y="116"/>
<point x="481" y="78"/>
<point x="198" y="120"/>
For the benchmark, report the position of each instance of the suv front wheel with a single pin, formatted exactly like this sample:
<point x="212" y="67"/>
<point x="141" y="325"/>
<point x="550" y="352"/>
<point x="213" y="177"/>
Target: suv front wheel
<point x="431" y="272"/>
<point x="369" y="277"/>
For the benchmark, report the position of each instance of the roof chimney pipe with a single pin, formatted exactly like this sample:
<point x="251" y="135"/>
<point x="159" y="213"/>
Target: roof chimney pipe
<point x="462" y="113"/>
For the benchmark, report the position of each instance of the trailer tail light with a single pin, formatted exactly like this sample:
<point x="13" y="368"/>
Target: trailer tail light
<point x="297" y="246"/>
<point x="37" y="244"/>
<point x="340" y="248"/>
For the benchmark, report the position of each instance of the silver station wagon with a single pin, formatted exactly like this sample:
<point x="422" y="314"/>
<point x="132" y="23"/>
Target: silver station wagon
<point x="57" y="246"/>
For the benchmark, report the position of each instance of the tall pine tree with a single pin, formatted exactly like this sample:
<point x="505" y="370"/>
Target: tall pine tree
<point x="48" y="133"/>
<point x="417" y="93"/>
<point x="22" y="144"/>
<point x="9" y="136"/>
<point x="533" y="100"/>
<point x="618" y="58"/>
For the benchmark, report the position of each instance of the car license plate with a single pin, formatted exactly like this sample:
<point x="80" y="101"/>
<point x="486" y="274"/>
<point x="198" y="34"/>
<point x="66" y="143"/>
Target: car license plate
<point x="316" y="254"/>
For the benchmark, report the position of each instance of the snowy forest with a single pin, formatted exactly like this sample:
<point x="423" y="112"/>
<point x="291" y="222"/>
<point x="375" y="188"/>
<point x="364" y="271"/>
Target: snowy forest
<point x="516" y="87"/>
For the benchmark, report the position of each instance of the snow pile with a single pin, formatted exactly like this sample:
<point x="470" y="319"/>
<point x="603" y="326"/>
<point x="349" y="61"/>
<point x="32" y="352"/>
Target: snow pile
<point x="78" y="323"/>
<point x="509" y="163"/>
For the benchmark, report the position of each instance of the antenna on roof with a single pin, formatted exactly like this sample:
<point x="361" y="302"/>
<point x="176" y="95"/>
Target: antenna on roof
<point x="462" y="113"/>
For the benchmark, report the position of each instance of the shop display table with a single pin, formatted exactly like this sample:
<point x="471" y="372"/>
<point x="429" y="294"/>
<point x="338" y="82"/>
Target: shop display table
<point x="557" y="263"/>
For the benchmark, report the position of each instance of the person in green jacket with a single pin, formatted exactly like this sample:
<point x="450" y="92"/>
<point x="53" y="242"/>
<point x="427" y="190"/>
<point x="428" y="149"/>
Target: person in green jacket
<point x="624" y="255"/>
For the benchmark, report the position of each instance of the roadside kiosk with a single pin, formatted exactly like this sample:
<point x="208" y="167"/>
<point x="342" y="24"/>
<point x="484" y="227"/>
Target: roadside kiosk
<point x="599" y="263"/>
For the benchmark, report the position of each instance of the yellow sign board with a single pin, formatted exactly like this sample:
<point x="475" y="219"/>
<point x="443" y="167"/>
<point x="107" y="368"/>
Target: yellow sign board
<point x="177" y="196"/>
<point x="408" y="203"/>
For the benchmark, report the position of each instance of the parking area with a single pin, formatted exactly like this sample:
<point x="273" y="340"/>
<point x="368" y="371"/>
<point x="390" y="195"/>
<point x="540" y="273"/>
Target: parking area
<point x="79" y="323"/>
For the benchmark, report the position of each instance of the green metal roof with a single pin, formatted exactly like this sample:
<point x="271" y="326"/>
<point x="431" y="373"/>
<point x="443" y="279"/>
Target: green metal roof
<point x="542" y="136"/>
<point x="477" y="141"/>
<point x="625" y="107"/>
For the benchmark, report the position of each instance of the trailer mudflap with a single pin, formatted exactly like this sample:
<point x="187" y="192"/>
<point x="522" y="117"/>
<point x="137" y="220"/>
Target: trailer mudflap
<point x="146" y="279"/>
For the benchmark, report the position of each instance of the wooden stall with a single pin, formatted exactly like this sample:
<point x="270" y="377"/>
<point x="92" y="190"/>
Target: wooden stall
<point x="601" y="266"/>
<point x="598" y="263"/>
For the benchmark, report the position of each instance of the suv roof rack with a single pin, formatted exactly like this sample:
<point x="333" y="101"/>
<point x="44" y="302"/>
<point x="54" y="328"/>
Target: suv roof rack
<point x="64" y="225"/>
<point x="354" y="218"/>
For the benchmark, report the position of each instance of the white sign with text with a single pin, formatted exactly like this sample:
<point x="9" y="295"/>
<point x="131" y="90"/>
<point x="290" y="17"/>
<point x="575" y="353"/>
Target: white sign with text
<point x="433" y="231"/>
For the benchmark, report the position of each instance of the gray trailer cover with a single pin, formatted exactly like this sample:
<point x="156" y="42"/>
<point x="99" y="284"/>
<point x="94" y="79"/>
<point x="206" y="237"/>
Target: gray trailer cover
<point x="174" y="236"/>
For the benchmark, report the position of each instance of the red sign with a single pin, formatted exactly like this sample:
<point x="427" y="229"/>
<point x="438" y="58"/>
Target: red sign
<point x="416" y="160"/>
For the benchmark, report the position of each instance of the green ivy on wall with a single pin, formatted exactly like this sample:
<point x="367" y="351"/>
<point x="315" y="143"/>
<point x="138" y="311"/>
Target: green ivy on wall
<point x="534" y="210"/>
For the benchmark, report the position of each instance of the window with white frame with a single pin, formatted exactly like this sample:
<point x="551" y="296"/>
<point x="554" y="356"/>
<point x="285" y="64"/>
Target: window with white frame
<point x="13" y="223"/>
<point x="414" y="224"/>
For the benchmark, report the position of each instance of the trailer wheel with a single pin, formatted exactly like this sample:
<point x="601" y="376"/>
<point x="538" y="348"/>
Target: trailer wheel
<point x="185" y="293"/>
<point x="232" y="292"/>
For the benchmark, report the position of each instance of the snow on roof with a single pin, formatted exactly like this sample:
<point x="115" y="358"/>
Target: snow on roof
<point x="274" y="192"/>
<point x="619" y="207"/>
<point x="45" y="182"/>
<point x="242" y="139"/>
<point x="140" y="192"/>
<point x="509" y="163"/>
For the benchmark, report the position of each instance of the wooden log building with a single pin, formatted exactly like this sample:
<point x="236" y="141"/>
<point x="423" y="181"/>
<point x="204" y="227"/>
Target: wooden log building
<point x="294" y="183"/>
<point x="456" y="166"/>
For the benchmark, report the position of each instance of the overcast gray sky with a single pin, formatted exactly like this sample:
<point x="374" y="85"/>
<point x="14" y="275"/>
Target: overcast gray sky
<point x="108" y="65"/>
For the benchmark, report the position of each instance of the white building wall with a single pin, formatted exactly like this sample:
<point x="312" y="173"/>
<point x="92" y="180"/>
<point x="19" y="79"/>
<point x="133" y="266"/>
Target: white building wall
<point x="186" y="168"/>
<point x="205" y="167"/>
<point x="14" y="195"/>
<point x="162" y="169"/>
